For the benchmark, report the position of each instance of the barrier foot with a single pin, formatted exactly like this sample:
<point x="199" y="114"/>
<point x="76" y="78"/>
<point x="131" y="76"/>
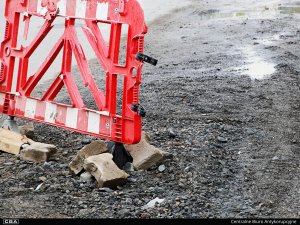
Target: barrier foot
<point x="120" y="155"/>
<point x="11" y="124"/>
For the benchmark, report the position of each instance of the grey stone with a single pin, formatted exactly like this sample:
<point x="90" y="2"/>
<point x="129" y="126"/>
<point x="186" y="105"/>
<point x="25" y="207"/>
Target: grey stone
<point x="86" y="177"/>
<point x="128" y="167"/>
<point x="222" y="139"/>
<point x="161" y="168"/>
<point x="104" y="189"/>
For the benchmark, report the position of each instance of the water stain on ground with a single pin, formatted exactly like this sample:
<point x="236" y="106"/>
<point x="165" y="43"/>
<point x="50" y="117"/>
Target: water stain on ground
<point x="265" y="11"/>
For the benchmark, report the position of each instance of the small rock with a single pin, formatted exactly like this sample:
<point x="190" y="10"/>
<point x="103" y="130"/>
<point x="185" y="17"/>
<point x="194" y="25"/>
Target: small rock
<point x="161" y="168"/>
<point x="128" y="167"/>
<point x="43" y="178"/>
<point x="23" y="166"/>
<point x="86" y="177"/>
<point x="222" y="140"/>
<point x="124" y="212"/>
<point x="132" y="180"/>
<point x="8" y="164"/>
<point x="145" y="216"/>
<point x="275" y="158"/>
<point x="188" y="169"/>
<point x="105" y="190"/>
<point x="65" y="153"/>
<point x="38" y="187"/>
<point x="152" y="203"/>
<point x="222" y="162"/>
<point x="86" y="141"/>
<point x="171" y="133"/>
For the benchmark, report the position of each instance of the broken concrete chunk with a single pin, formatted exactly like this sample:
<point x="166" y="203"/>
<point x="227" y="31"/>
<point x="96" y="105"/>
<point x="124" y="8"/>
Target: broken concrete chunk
<point x="11" y="142"/>
<point x="37" y="152"/>
<point x="27" y="130"/>
<point x="95" y="148"/>
<point x="106" y="172"/>
<point x="144" y="154"/>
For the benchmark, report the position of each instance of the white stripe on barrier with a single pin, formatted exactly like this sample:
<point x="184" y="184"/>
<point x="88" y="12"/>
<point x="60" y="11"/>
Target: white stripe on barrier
<point x="39" y="6"/>
<point x="94" y="123"/>
<point x="62" y="7"/>
<point x="71" y="117"/>
<point x="41" y="10"/>
<point x="30" y="108"/>
<point x="102" y="11"/>
<point x="50" y="114"/>
<point x="2" y="99"/>
<point x="80" y="8"/>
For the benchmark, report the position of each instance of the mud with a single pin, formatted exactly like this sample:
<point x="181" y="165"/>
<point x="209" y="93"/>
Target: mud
<point x="233" y="130"/>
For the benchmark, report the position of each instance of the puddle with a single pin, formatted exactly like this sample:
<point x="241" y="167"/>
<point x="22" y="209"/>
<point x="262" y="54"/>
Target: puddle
<point x="256" y="67"/>
<point x="289" y="10"/>
<point x="260" y="70"/>
<point x="266" y="11"/>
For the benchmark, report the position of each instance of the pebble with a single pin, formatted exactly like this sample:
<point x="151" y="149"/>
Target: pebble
<point x="145" y="216"/>
<point x="152" y="203"/>
<point x="105" y="189"/>
<point x="86" y="177"/>
<point x="23" y="166"/>
<point x="124" y="212"/>
<point x="43" y="178"/>
<point x="222" y="140"/>
<point x="188" y="169"/>
<point x="161" y="168"/>
<point x="65" y="153"/>
<point x="133" y="180"/>
<point x="86" y="141"/>
<point x="128" y="167"/>
<point x="171" y="133"/>
<point x="8" y="164"/>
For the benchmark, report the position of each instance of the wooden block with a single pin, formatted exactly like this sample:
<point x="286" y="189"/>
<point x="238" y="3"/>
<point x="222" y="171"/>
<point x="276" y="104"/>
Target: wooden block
<point x="95" y="148"/>
<point x="106" y="172"/>
<point x="11" y="142"/>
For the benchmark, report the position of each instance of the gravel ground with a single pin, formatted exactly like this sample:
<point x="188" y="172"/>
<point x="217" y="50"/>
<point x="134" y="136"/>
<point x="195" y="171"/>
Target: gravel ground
<point x="234" y="138"/>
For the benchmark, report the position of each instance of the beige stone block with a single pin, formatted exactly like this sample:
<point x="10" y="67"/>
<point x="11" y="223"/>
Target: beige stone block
<point x="37" y="152"/>
<point x="95" y="148"/>
<point x="11" y="142"/>
<point x="27" y="130"/>
<point x="144" y="154"/>
<point x="105" y="171"/>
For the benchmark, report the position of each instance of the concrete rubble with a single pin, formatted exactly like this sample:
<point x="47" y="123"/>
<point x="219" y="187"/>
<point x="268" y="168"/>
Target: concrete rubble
<point x="29" y="150"/>
<point x="144" y="154"/>
<point x="105" y="171"/>
<point x="95" y="148"/>
<point x="93" y="160"/>
<point x="37" y="152"/>
<point x="11" y="142"/>
<point x="96" y="159"/>
<point x="27" y="130"/>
